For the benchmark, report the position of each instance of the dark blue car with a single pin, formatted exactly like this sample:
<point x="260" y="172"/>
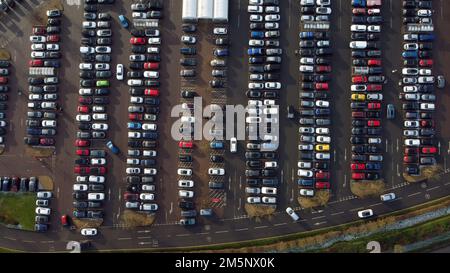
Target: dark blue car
<point x="255" y="51"/>
<point x="257" y="34"/>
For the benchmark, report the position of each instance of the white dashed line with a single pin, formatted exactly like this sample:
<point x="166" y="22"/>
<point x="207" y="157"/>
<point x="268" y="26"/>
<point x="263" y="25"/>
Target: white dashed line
<point x="261" y="227"/>
<point x="241" y="229"/>
<point x="318" y="217"/>
<point x="182" y="235"/>
<point x="414" y="194"/>
<point x="221" y="231"/>
<point x="128" y="238"/>
<point x="280" y="224"/>
<point x="433" y="188"/>
<point x="337" y="213"/>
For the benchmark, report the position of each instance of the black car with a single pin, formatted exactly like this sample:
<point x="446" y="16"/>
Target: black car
<point x="35" y="81"/>
<point x="186" y="205"/>
<point x="90" y="41"/>
<point x="187" y="94"/>
<point x="253" y="94"/>
<point x="188" y="61"/>
<point x="256" y="69"/>
<point x="54" y="21"/>
<point x="136" y="91"/>
<point x="216" y="83"/>
<point x="137" y="32"/>
<point x="101" y="100"/>
<point x="87" y="74"/>
<point x="189" y="27"/>
<point x="90" y="8"/>
<point x="88" y="33"/>
<point x="138" y="49"/>
<point x="256" y="26"/>
<point x="136" y="65"/>
<point x="185" y="158"/>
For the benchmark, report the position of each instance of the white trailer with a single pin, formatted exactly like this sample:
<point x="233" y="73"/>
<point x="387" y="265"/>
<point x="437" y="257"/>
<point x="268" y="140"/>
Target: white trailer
<point x="220" y="13"/>
<point x="189" y="12"/>
<point x="420" y="28"/>
<point x="146" y="23"/>
<point x="205" y="9"/>
<point x="42" y="71"/>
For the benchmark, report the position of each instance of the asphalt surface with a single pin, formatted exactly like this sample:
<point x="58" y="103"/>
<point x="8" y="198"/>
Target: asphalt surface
<point x="233" y="224"/>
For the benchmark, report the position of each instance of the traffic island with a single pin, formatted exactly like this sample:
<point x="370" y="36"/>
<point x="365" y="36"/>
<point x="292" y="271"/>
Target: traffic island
<point x="133" y="219"/>
<point x="4" y="55"/>
<point x="427" y="173"/>
<point x="259" y="211"/>
<point x="320" y="198"/>
<point x="40" y="13"/>
<point x="87" y="223"/>
<point x="17" y="210"/>
<point x="367" y="188"/>
<point x="45" y="183"/>
<point x="39" y="152"/>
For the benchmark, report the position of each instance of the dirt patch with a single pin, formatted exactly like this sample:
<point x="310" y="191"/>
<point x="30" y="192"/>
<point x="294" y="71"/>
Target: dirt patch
<point x="365" y="189"/>
<point x="87" y="223"/>
<point x="45" y="183"/>
<point x="132" y="219"/>
<point x="413" y="179"/>
<point x="2" y="149"/>
<point x="39" y="152"/>
<point x="428" y="173"/>
<point x="40" y="14"/>
<point x="4" y="55"/>
<point x="320" y="198"/>
<point x="259" y="211"/>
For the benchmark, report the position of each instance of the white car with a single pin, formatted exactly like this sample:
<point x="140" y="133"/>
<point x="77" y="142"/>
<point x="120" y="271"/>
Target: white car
<point x="305" y="173"/>
<point x="80" y="187"/>
<point x="119" y="72"/>
<point x="86" y="91"/>
<point x="183" y="183"/>
<point x="254" y="9"/>
<point x="185" y="193"/>
<point x="98" y="161"/>
<point x="374" y="96"/>
<point x="323" y="156"/>
<point x="323" y="139"/>
<point x="138" y="100"/>
<point x="411" y="124"/>
<point x="270" y="164"/>
<point x="43" y="211"/>
<point x="38" y="47"/>
<point x="139" y="15"/>
<point x="269" y="200"/>
<point x="256" y="18"/>
<point x="49" y="123"/>
<point x="89" y="231"/>
<point x="216" y="171"/>
<point x="272" y="85"/>
<point x="151" y="171"/>
<point x="147" y="187"/>
<point x="253" y="119"/>
<point x="410" y="89"/>
<point x="272" y="9"/>
<point x="100" y="116"/>
<point x="151" y="74"/>
<point x="96" y="179"/>
<point x="147" y="196"/>
<point x="322" y="103"/>
<point x="100" y="126"/>
<point x="365" y="213"/>
<point x="306" y="68"/>
<point x="220" y="31"/>
<point x="187" y="119"/>
<point x="272" y="17"/>
<point x="255" y="85"/>
<point x="133" y="170"/>
<point x="149" y="153"/>
<point x="87" y="50"/>
<point x="427" y="106"/>
<point x="424" y="13"/>
<point x="388" y="197"/>
<point x="149" y="126"/>
<point x="44" y="194"/>
<point x="233" y="145"/>
<point x="358" y="28"/>
<point x="38" y="39"/>
<point x="89" y="24"/>
<point x="373" y="28"/>
<point x="96" y="196"/>
<point x="253" y="200"/>
<point x="292" y="213"/>
<point x="306" y="192"/>
<point x="270" y="111"/>
<point x="134" y="134"/>
<point x="85" y="66"/>
<point x="188" y="39"/>
<point x="304" y="165"/>
<point x="411" y="133"/>
<point x="102" y="66"/>
<point x="184" y="171"/>
<point x="154" y="41"/>
<point x="254" y="42"/>
<point x="358" y="44"/>
<point x="412" y="142"/>
<point x="323" y="10"/>
<point x="81" y="179"/>
<point x="148" y="207"/>
<point x="37" y="54"/>
<point x="83" y="117"/>
<point x="269" y="190"/>
<point x="322" y="131"/>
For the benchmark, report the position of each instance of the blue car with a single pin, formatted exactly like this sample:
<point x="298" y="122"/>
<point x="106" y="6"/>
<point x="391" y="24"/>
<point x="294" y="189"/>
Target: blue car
<point x="257" y="34"/>
<point x="150" y="135"/>
<point x="373" y="166"/>
<point x="306" y="35"/>
<point x="216" y="145"/>
<point x="255" y="51"/>
<point x="33" y="131"/>
<point x="134" y="125"/>
<point x="426" y="37"/>
<point x="305" y="182"/>
<point x="410" y="54"/>
<point x="359" y="3"/>
<point x="220" y="52"/>
<point x="123" y="21"/>
<point x="112" y="147"/>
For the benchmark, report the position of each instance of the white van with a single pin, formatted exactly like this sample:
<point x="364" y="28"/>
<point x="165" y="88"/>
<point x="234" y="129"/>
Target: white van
<point x="233" y="145"/>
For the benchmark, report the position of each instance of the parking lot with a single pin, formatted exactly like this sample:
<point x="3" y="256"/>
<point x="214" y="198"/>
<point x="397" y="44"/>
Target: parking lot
<point x="60" y="165"/>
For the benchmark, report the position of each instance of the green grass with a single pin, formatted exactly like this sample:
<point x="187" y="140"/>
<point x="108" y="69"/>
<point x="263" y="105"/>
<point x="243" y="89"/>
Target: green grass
<point x="389" y="239"/>
<point x="18" y="209"/>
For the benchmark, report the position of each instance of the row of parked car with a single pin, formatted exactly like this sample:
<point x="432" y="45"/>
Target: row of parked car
<point x="4" y="89"/>
<point x="418" y="89"/>
<point x="315" y="67"/>
<point x="366" y="91"/>
<point x="264" y="57"/>
<point x="43" y="82"/>
<point x="42" y="210"/>
<point x="95" y="74"/>
<point x="143" y="112"/>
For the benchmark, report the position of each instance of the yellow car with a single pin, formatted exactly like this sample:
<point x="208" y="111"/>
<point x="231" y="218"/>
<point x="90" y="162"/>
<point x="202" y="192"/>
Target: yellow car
<point x="358" y="97"/>
<point x="322" y="147"/>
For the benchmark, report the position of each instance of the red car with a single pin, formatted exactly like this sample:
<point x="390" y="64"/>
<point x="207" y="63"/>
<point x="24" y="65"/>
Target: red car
<point x="426" y="62"/>
<point x="151" y="92"/>
<point x="85" y="100"/>
<point x="359" y="79"/>
<point x="374" y="105"/>
<point x="358" y="166"/>
<point x="65" y="220"/>
<point x="53" y="38"/>
<point x="39" y="30"/>
<point x="409" y="159"/>
<point x="83" y="109"/>
<point x="36" y="63"/>
<point x="411" y="151"/>
<point x="358" y="114"/>
<point x="81" y="152"/>
<point x="3" y="80"/>
<point x="322" y="175"/>
<point x="128" y="196"/>
<point x="47" y="141"/>
<point x="373" y="62"/>
<point x="322" y="86"/>
<point x="373" y="123"/>
<point x="359" y="11"/>
<point x="133" y="117"/>
<point x="374" y="87"/>
<point x="137" y="41"/>
<point x="322" y="185"/>
<point x="429" y="150"/>
<point x="358" y="176"/>
<point x="15" y="184"/>
<point x="186" y="144"/>
<point x="323" y="68"/>
<point x="97" y="171"/>
<point x="82" y="143"/>
<point x="151" y="66"/>
<point x="81" y="170"/>
<point x="427" y="123"/>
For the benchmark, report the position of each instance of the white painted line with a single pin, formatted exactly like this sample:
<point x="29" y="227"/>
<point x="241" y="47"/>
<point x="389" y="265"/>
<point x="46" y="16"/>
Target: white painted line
<point x="241" y="229"/>
<point x="9" y="238"/>
<point x="414" y="194"/>
<point x="446" y="184"/>
<point x="374" y="205"/>
<point x="145" y="237"/>
<point x="221" y="231"/>
<point x="280" y="224"/>
<point x="360" y="208"/>
<point x="433" y="188"/>
<point x="27" y="241"/>
<point x="261" y="227"/>
<point x="337" y="213"/>
<point x="202" y="233"/>
<point x="182" y="235"/>
<point x="128" y="238"/>
<point x="318" y="217"/>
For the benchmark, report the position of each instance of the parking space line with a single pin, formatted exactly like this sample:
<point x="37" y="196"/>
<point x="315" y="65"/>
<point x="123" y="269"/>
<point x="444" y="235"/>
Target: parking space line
<point x="241" y="229"/>
<point x="337" y="213"/>
<point x="127" y="238"/>
<point x="183" y="235"/>
<point x="410" y="195"/>
<point x="280" y="224"/>
<point x="202" y="233"/>
<point x="9" y="238"/>
<point x="433" y="188"/>
<point x="258" y="227"/>
<point x="318" y="217"/>
<point x="221" y="231"/>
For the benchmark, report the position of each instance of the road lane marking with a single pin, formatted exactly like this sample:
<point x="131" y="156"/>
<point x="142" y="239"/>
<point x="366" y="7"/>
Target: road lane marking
<point x="182" y="235"/>
<point x="46" y="242"/>
<point x="261" y="227"/>
<point x="221" y="231"/>
<point x="376" y="204"/>
<point x="414" y="194"/>
<point x="320" y="223"/>
<point x="280" y="224"/>
<point x="241" y="229"/>
<point x="144" y="237"/>
<point x="9" y="238"/>
<point x="202" y="233"/>
<point x="433" y="188"/>
<point x="127" y="238"/>
<point x="355" y="209"/>
<point x="318" y="217"/>
<point x="27" y="241"/>
<point x="337" y="213"/>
